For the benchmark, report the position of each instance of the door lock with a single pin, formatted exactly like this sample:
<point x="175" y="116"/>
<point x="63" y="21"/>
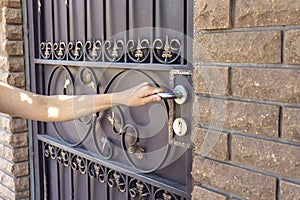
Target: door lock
<point x="180" y="127"/>
<point x="179" y="94"/>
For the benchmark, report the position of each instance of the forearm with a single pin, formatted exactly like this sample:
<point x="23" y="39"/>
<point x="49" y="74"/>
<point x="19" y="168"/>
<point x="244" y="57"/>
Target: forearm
<point x="28" y="105"/>
<point x="64" y="108"/>
<point x="21" y="103"/>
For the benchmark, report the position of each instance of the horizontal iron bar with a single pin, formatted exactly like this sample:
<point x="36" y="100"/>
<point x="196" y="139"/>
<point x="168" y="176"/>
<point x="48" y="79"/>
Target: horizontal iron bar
<point x="159" y="182"/>
<point x="146" y="66"/>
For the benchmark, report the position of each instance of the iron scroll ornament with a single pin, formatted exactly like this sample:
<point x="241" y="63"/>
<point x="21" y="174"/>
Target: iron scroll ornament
<point x="87" y="78"/>
<point x="138" y="51"/>
<point x="59" y="50"/>
<point x="165" y="51"/>
<point x="135" y="188"/>
<point x="93" y="50"/>
<point x="134" y="150"/>
<point x="128" y="134"/>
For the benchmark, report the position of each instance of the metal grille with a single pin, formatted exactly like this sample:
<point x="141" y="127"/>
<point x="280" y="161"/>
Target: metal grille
<point x="103" y="46"/>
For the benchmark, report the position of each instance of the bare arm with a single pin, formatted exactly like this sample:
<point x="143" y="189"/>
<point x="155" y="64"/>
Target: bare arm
<point x="28" y="105"/>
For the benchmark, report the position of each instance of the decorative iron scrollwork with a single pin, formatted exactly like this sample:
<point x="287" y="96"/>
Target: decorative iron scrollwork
<point x="138" y="51"/>
<point x="166" y="51"/>
<point x="75" y="50"/>
<point x="46" y="50"/>
<point x="136" y="189"/>
<point x="64" y="158"/>
<point x="79" y="163"/>
<point x="139" y="189"/>
<point x="164" y="195"/>
<point x="93" y="50"/>
<point x="115" y="50"/>
<point x="116" y="179"/>
<point x="50" y="151"/>
<point x="59" y="50"/>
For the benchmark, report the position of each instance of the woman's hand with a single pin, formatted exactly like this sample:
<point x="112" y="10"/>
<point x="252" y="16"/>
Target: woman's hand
<point x="138" y="95"/>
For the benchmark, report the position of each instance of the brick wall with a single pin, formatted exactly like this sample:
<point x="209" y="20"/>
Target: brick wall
<point x="247" y="103"/>
<point x="14" y="166"/>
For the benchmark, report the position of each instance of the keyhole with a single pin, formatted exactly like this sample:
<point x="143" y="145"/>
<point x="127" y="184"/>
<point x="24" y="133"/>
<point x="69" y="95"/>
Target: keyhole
<point x="179" y="127"/>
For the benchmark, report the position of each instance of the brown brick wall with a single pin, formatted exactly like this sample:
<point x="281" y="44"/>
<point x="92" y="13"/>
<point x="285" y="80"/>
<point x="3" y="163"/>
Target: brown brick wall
<point x="247" y="99"/>
<point x="14" y="164"/>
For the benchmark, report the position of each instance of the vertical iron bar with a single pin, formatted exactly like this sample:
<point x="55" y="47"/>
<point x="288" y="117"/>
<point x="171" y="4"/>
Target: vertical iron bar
<point x="71" y="22"/>
<point x="85" y="37"/>
<point x="108" y="20"/>
<point x="157" y="19"/>
<point x="39" y="30"/>
<point x="184" y="45"/>
<point x="88" y="184"/>
<point x="72" y="196"/>
<point x="104" y="27"/>
<point x="75" y="186"/>
<point x="129" y="10"/>
<point x="68" y="26"/>
<point x="52" y="26"/>
<point x="55" y="21"/>
<point x="61" y="181"/>
<point x="131" y="13"/>
<point x="153" y="31"/>
<point x="44" y="174"/>
<point x="88" y="19"/>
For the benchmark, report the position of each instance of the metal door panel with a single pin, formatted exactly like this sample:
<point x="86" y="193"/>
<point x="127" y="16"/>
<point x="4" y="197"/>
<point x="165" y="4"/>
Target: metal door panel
<point x="120" y="153"/>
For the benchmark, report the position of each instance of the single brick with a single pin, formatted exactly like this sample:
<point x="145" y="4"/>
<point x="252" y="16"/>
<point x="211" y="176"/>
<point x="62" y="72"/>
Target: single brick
<point x="253" y="13"/>
<point x="14" y="169"/>
<point x="210" y="143"/>
<point x="11" y="48"/>
<point x="290" y="124"/>
<point x="202" y="193"/>
<point x="12" y="64"/>
<point x="291" y="47"/>
<point x="289" y="191"/>
<point x="14" y="32"/>
<point x="13" y="124"/>
<point x="282" y="85"/>
<point x="16" y="184"/>
<point x="10" y="3"/>
<point x="211" y="80"/>
<point x="238" y="47"/>
<point x="15" y="79"/>
<point x="11" y="15"/>
<point x="240" y="116"/>
<point x="241" y="182"/>
<point x="8" y="194"/>
<point x="273" y="157"/>
<point x="14" y="154"/>
<point x="212" y="14"/>
<point x="11" y="32"/>
<point x="14" y="140"/>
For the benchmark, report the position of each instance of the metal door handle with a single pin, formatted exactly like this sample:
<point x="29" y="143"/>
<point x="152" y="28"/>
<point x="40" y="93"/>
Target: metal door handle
<point x="179" y="94"/>
<point x="169" y="95"/>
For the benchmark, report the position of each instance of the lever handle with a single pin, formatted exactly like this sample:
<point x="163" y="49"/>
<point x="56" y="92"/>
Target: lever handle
<point x="179" y="94"/>
<point x="169" y="95"/>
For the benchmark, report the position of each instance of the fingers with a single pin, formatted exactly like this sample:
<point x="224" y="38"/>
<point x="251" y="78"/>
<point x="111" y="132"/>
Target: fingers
<point x="149" y="89"/>
<point x="151" y="99"/>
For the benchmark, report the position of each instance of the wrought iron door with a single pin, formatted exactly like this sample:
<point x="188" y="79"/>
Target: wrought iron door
<point x="103" y="46"/>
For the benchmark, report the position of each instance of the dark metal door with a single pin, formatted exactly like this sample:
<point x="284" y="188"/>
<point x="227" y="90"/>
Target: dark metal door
<point x="102" y="46"/>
